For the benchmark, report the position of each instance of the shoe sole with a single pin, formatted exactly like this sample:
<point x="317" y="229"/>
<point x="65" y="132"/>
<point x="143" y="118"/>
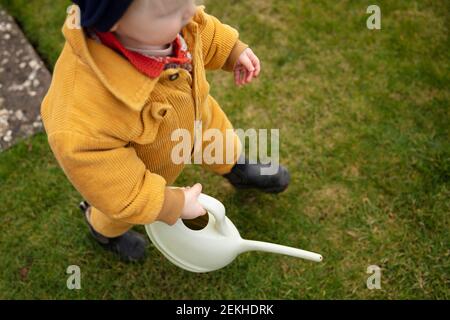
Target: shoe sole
<point x="265" y="190"/>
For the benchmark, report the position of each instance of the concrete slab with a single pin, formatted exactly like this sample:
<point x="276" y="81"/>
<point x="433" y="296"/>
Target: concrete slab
<point x="24" y="80"/>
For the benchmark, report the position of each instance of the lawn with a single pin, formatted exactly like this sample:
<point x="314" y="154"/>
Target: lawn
<point x="364" y="128"/>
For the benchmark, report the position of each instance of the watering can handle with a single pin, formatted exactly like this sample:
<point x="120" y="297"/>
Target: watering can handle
<point x="217" y="209"/>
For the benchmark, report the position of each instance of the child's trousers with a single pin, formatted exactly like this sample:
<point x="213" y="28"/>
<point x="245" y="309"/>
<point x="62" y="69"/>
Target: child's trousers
<point x="110" y="227"/>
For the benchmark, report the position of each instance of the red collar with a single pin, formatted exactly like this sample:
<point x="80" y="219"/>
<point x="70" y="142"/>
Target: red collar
<point x="151" y="66"/>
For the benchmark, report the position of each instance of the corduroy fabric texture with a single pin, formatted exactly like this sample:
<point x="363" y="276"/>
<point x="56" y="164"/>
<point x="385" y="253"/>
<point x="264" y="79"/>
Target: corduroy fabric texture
<point x="109" y="126"/>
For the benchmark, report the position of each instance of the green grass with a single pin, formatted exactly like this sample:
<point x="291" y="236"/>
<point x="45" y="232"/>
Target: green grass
<point x="364" y="124"/>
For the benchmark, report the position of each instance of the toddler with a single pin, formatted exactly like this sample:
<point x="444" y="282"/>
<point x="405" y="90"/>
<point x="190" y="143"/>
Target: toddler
<point x="130" y="74"/>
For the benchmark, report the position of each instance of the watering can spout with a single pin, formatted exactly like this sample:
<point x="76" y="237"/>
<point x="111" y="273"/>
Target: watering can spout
<point x="250" y="245"/>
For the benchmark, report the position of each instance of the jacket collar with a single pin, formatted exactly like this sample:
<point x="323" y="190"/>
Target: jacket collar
<point x="115" y="72"/>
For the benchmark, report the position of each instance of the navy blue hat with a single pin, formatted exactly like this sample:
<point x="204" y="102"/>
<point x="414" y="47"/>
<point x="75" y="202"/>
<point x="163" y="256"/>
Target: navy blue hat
<point x="101" y="14"/>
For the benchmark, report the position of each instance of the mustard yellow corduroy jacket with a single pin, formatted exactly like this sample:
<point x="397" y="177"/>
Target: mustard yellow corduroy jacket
<point x="109" y="126"/>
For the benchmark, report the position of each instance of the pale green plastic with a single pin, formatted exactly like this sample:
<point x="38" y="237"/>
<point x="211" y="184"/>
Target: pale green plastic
<point x="213" y="247"/>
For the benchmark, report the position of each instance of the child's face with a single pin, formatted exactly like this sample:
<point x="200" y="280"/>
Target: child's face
<point x="154" y="22"/>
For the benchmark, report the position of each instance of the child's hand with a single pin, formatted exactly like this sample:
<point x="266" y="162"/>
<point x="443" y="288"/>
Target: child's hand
<point x="247" y="67"/>
<point x="192" y="208"/>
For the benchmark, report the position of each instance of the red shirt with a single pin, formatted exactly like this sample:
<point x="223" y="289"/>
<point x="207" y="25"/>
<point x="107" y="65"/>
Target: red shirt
<point x="151" y="66"/>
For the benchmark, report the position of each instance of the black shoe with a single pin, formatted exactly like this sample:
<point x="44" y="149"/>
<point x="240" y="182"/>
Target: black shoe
<point x="130" y="247"/>
<point x="245" y="175"/>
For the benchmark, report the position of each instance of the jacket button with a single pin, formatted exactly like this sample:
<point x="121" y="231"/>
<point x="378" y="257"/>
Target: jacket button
<point x="174" y="77"/>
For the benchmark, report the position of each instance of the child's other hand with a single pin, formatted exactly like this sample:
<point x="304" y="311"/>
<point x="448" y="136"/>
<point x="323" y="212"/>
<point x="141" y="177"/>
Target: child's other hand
<point x="192" y="208"/>
<point x="247" y="67"/>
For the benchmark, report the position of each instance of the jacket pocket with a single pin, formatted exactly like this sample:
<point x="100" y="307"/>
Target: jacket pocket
<point x="153" y="115"/>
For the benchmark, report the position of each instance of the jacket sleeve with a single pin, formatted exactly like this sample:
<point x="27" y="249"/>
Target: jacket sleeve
<point x="111" y="177"/>
<point x="220" y="42"/>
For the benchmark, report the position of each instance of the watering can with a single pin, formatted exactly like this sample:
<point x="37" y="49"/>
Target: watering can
<point x="214" y="246"/>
